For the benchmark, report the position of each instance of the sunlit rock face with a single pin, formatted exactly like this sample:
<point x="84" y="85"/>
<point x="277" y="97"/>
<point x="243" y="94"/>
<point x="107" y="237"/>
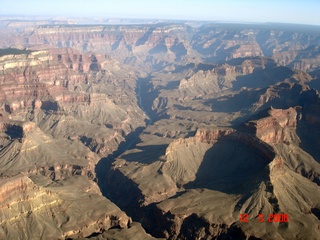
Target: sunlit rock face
<point x="107" y="132"/>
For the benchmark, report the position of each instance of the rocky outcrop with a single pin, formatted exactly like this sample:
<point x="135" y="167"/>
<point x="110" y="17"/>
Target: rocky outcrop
<point x="277" y="126"/>
<point x="31" y="152"/>
<point x="35" y="201"/>
<point x="200" y="169"/>
<point x="212" y="136"/>
<point x="222" y="77"/>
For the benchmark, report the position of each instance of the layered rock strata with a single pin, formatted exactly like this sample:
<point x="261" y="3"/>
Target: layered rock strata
<point x="74" y="103"/>
<point x="199" y="188"/>
<point x="53" y="104"/>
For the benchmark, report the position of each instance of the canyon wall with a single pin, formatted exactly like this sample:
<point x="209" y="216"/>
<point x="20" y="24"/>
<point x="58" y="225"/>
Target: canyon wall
<point x="160" y="43"/>
<point x="179" y="128"/>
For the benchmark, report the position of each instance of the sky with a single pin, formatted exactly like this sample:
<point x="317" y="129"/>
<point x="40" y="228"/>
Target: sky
<point x="285" y="11"/>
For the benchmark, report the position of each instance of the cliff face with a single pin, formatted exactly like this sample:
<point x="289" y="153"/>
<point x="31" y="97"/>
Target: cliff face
<point x="35" y="80"/>
<point x="36" y="86"/>
<point x="58" y="107"/>
<point x="120" y="42"/>
<point x="139" y="43"/>
<point x="276" y="128"/>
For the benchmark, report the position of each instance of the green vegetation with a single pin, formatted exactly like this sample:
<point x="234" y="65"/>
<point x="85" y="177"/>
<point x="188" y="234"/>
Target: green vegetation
<point x="14" y="51"/>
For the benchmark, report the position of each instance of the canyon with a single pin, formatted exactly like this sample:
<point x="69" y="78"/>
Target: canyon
<point x="159" y="131"/>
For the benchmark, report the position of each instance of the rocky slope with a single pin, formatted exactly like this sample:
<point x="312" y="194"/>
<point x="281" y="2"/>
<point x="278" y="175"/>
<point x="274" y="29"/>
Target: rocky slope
<point x="209" y="179"/>
<point x="37" y="208"/>
<point x="59" y="108"/>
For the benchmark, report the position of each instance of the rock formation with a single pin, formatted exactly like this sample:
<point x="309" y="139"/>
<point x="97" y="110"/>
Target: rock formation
<point x="211" y="178"/>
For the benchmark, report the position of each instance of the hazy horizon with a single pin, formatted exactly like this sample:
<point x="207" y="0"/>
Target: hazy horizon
<point x="296" y="12"/>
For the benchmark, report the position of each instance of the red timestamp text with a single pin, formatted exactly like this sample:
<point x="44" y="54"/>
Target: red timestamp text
<point x="276" y="217"/>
